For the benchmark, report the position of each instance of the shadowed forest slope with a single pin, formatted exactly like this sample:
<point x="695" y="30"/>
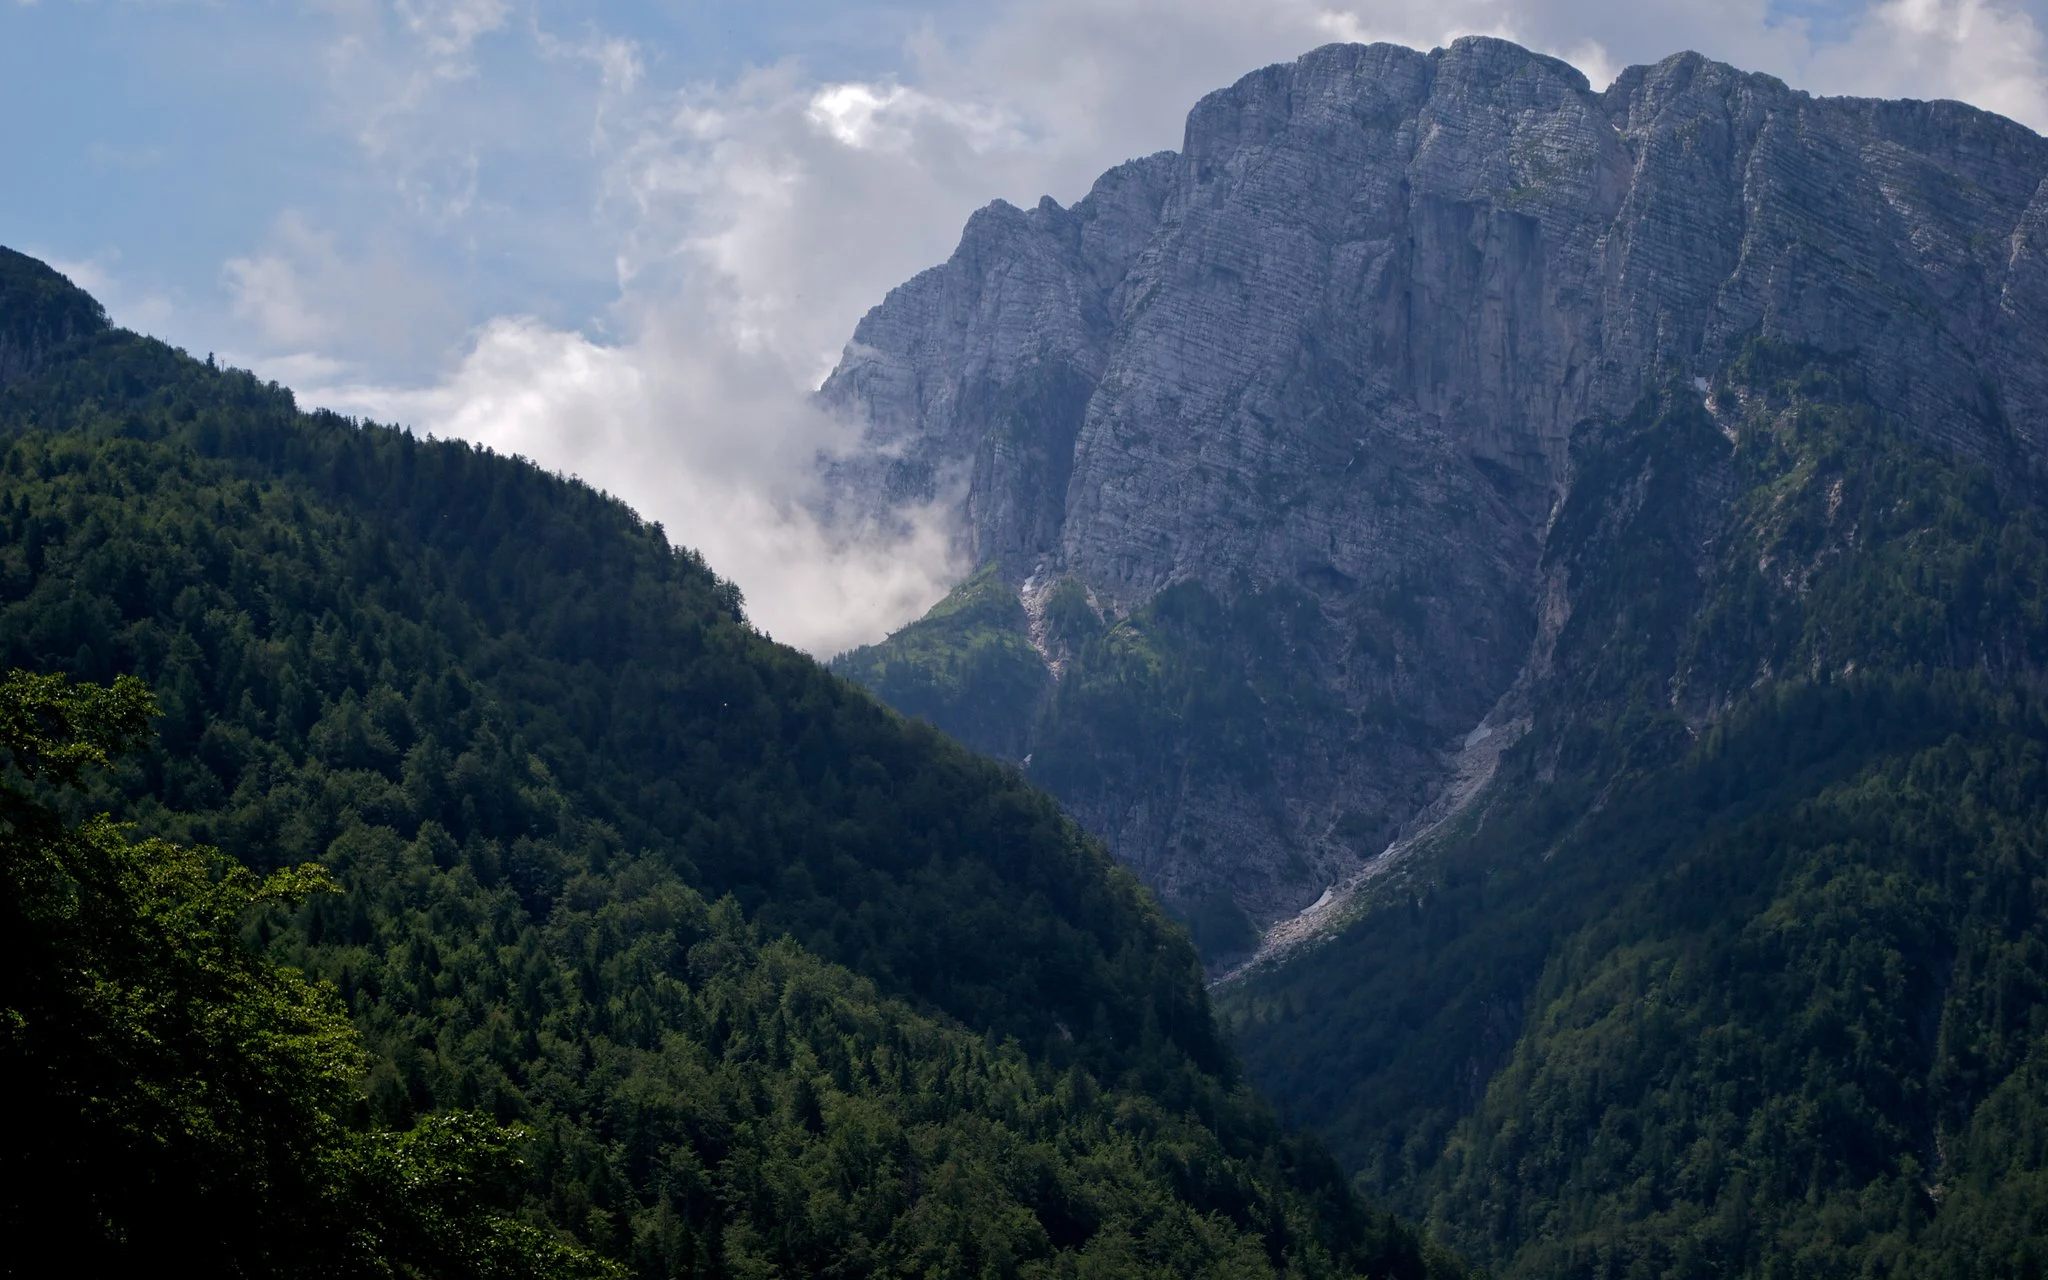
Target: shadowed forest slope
<point x="775" y="981"/>
<point x="1740" y="964"/>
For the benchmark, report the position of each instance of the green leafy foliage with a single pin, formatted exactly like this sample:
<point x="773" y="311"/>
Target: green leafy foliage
<point x="529" y="741"/>
<point x="345" y="623"/>
<point x="177" y="1094"/>
<point x="779" y="1116"/>
<point x="1189" y="683"/>
<point x="1775" y="1048"/>
<point x="1740" y="967"/>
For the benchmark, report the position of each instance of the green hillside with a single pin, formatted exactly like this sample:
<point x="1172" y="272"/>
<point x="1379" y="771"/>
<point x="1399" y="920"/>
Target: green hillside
<point x="1187" y="692"/>
<point x="967" y="666"/>
<point x="1740" y="966"/>
<point x="773" y="981"/>
<point x="181" y="1095"/>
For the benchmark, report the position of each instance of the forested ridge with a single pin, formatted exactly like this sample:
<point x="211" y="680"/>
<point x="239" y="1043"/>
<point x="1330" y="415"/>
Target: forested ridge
<point x="1188" y="690"/>
<point x="764" y="979"/>
<point x="1740" y="965"/>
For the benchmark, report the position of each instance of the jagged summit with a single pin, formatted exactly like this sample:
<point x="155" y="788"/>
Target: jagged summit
<point x="1324" y="367"/>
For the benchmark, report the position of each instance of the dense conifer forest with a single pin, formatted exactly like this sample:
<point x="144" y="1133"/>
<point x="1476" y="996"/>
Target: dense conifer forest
<point x="481" y="896"/>
<point x="1740" y="966"/>
<point x="563" y="921"/>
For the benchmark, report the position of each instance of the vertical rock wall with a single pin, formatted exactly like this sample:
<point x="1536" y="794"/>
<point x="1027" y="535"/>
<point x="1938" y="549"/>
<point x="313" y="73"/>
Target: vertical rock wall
<point x="1327" y="361"/>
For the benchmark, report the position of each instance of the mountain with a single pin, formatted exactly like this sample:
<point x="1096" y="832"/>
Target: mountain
<point x="1738" y="963"/>
<point x="1573" y="567"/>
<point x="753" y="975"/>
<point x="44" y="313"/>
<point x="1264" y="446"/>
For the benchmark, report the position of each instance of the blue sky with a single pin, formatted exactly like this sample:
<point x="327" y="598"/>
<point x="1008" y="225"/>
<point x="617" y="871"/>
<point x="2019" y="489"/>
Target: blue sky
<point x="625" y="238"/>
<point x="169" y="139"/>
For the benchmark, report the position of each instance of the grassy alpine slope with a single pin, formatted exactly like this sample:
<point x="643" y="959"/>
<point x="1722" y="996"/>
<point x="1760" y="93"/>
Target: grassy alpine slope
<point x="1740" y="967"/>
<point x="775" y="981"/>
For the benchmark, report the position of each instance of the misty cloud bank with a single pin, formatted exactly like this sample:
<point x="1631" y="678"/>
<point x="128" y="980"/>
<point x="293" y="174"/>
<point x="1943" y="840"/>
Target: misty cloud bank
<point x="715" y="442"/>
<point x="751" y="223"/>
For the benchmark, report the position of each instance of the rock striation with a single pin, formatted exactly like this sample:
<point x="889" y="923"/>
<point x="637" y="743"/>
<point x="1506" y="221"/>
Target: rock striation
<point x="1325" y="365"/>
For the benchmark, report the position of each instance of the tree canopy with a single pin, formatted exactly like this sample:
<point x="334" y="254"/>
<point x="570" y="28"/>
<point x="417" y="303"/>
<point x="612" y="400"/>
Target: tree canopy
<point x="1740" y="965"/>
<point x="770" y="980"/>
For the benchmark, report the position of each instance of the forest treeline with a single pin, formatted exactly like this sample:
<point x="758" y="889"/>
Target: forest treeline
<point x="181" y="1095"/>
<point x="1740" y="965"/>
<point x="659" y="947"/>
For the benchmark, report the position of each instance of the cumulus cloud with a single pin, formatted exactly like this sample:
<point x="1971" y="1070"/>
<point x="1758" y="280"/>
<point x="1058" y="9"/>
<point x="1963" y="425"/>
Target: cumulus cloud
<point x="703" y="437"/>
<point x="1986" y="54"/>
<point x="751" y="222"/>
<point x="140" y="308"/>
<point x="308" y="302"/>
<point x="447" y="28"/>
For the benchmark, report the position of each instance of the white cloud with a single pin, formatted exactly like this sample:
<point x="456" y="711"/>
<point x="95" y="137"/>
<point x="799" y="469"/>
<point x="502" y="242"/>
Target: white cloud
<point x="1983" y="53"/>
<point x="1591" y="57"/>
<point x="871" y="117"/>
<point x="399" y="74"/>
<point x="144" y="310"/>
<point x="690" y="433"/>
<point x="753" y="221"/>
<point x="447" y="28"/>
<point x="271" y="289"/>
<point x="300" y="294"/>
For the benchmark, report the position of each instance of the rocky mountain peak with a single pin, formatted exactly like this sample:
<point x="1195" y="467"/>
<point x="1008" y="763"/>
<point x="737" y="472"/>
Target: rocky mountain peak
<point x="1328" y="361"/>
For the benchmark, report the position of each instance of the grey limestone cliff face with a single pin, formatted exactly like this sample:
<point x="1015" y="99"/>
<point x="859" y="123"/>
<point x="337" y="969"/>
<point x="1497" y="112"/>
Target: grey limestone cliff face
<point x="975" y="377"/>
<point x="1329" y="359"/>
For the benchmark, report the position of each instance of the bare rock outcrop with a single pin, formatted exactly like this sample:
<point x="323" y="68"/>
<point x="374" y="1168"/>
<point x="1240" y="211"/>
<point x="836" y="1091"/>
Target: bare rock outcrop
<point x="1329" y="359"/>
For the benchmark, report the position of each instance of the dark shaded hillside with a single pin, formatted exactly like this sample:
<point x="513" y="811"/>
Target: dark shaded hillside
<point x="314" y="552"/>
<point x="1186" y="693"/>
<point x="43" y="313"/>
<point x="178" y="1094"/>
<point x="531" y="741"/>
<point x="1740" y="966"/>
